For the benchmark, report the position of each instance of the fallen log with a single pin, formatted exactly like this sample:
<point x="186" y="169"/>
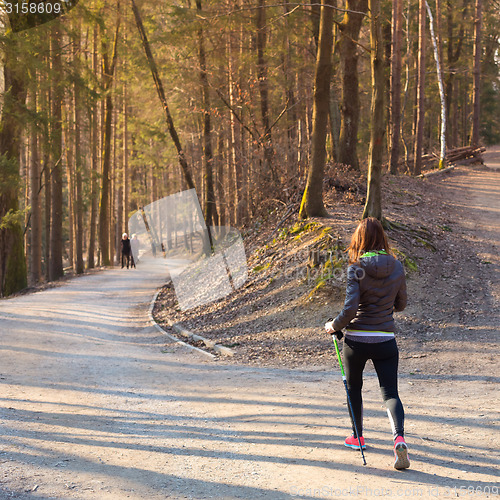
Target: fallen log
<point x="431" y="159"/>
<point x="436" y="172"/>
<point x="468" y="161"/>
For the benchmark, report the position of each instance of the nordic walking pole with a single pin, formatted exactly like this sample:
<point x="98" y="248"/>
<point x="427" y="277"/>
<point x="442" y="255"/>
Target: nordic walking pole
<point x="347" y="392"/>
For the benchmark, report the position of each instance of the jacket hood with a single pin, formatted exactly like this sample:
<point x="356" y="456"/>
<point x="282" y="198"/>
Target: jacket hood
<point x="377" y="265"/>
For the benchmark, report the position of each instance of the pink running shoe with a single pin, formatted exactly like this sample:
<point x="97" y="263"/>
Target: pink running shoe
<point x="352" y="442"/>
<point x="401" y="454"/>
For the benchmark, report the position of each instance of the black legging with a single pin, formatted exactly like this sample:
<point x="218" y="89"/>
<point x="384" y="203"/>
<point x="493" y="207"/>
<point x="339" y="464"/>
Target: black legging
<point x="126" y="259"/>
<point x="385" y="356"/>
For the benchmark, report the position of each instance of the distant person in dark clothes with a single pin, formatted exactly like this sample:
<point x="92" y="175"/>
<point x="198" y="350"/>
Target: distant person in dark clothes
<point x="126" y="250"/>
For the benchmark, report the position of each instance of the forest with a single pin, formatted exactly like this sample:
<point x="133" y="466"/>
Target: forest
<point x="117" y="104"/>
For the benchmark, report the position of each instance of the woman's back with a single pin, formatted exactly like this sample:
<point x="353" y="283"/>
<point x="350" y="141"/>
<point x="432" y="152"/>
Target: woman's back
<point x="382" y="290"/>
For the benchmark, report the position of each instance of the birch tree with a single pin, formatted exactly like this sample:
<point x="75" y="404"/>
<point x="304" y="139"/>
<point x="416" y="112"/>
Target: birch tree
<point x="419" y="128"/>
<point x="442" y="97"/>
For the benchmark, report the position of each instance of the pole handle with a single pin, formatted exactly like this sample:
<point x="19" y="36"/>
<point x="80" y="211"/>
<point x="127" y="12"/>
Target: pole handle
<point x="338" y="355"/>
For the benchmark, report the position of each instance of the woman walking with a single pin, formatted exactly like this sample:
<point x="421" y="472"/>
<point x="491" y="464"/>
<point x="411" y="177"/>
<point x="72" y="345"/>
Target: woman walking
<point x="126" y="250"/>
<point x="376" y="287"/>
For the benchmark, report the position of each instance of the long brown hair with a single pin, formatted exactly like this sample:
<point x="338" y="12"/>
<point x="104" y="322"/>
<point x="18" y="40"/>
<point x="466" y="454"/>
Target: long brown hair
<point x="369" y="235"/>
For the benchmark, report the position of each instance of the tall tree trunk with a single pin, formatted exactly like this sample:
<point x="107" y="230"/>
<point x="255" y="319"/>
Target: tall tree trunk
<point x="419" y="129"/>
<point x="105" y="185"/>
<point x="439" y="32"/>
<point x="35" y="198"/>
<point x="291" y="157"/>
<point x="267" y="141"/>
<point x="13" y="273"/>
<point x="78" y="214"/>
<point x="395" y="104"/>
<point x="221" y="152"/>
<point x="373" y="206"/>
<point x="303" y="121"/>
<point x="94" y="174"/>
<point x="126" y="173"/>
<point x="312" y="200"/>
<point x="68" y="141"/>
<point x="210" y="204"/>
<point x="25" y="176"/>
<point x="315" y="22"/>
<point x="104" y="205"/>
<point x="454" y="51"/>
<point x="118" y="181"/>
<point x="406" y="89"/>
<point x="478" y="16"/>
<point x="56" y="231"/>
<point x="47" y="153"/>
<point x="436" y="46"/>
<point x="349" y="35"/>
<point x="335" y="122"/>
<point x="114" y="239"/>
<point x="235" y="158"/>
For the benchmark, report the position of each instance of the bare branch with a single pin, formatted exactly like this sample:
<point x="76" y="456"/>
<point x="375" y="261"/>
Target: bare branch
<point x="285" y="109"/>
<point x="237" y="116"/>
<point x="295" y="5"/>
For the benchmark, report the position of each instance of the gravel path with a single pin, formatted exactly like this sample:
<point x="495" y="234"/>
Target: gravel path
<point x="96" y="404"/>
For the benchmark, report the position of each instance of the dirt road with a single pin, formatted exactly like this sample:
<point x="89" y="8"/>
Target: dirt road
<point x="96" y="405"/>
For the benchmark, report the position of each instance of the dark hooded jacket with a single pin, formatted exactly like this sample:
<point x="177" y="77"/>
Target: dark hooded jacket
<point x="376" y="287"/>
<point x="126" y="247"/>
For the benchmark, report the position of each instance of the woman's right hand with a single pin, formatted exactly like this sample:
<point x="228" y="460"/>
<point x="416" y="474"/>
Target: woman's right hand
<point x="329" y="326"/>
